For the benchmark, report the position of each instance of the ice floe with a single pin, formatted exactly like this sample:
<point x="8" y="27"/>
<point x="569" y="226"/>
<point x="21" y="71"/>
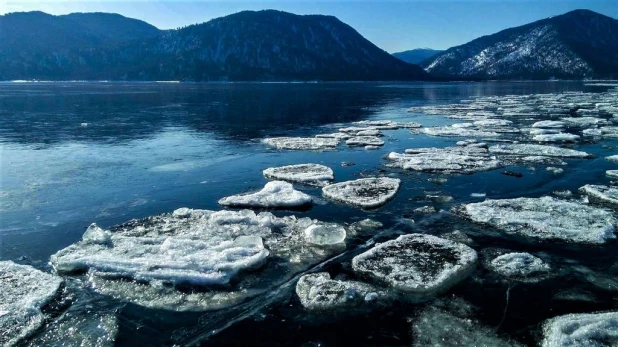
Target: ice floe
<point x="364" y="192"/>
<point x="518" y="265"/>
<point x="457" y="130"/>
<point x="311" y="174"/>
<point x="364" y="141"/>
<point x="319" y="292"/>
<point x="584" y="121"/>
<point x="549" y="124"/>
<point x="325" y="234"/>
<point x="24" y="291"/>
<point x="465" y="160"/>
<point x="275" y="194"/>
<point x="604" y="194"/>
<point x="302" y="143"/>
<point x="613" y="158"/>
<point x="537" y="150"/>
<point x="544" y="219"/>
<point x="416" y="264"/>
<point x="581" y="329"/>
<point x="559" y="137"/>
<point x="224" y="256"/>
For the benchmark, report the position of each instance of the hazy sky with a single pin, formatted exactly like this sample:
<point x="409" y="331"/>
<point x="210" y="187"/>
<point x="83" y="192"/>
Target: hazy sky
<point x="392" y="25"/>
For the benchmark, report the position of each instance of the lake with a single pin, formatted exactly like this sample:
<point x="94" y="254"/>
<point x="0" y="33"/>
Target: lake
<point x="77" y="153"/>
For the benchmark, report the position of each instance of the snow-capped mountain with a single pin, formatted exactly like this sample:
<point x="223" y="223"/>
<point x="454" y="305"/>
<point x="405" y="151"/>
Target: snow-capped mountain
<point x="263" y="45"/>
<point x="578" y="44"/>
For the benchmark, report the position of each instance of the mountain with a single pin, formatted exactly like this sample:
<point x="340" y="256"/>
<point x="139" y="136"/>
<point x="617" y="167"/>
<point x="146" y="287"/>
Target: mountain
<point x="578" y="44"/>
<point x="416" y="56"/>
<point x="38" y="31"/>
<point x="263" y="45"/>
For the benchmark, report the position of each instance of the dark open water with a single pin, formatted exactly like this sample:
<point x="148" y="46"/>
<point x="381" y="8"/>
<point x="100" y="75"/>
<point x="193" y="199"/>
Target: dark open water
<point x="151" y="148"/>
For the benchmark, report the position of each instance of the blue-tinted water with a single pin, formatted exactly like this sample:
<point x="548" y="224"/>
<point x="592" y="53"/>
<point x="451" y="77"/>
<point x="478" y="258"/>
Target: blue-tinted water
<point x="77" y="153"/>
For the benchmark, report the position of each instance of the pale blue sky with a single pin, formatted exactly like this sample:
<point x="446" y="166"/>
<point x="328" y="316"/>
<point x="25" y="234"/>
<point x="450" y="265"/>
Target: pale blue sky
<point x="393" y="25"/>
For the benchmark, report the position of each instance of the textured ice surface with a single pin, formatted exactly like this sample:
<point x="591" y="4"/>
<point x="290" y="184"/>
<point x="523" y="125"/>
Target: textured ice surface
<point x="544" y="219"/>
<point x="311" y="174"/>
<point x="537" y="150"/>
<point x="447" y="160"/>
<point x="453" y="325"/>
<point x="549" y="124"/>
<point x="275" y="194"/>
<point x="370" y="132"/>
<point x="225" y="256"/>
<point x="601" y="193"/>
<point x="325" y="234"/>
<point x="518" y="265"/>
<point x="319" y="292"/>
<point x="457" y="130"/>
<point x="302" y="143"/>
<point x="364" y="141"/>
<point x="578" y="330"/>
<point x="95" y="234"/>
<point x="86" y="329"/>
<point x="419" y="265"/>
<point x="584" y="121"/>
<point x="364" y="192"/>
<point x="338" y="136"/>
<point x="560" y="137"/>
<point x="24" y="290"/>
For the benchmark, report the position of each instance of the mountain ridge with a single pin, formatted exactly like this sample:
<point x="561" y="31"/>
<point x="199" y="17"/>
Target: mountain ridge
<point x="577" y="44"/>
<point x="417" y="55"/>
<point x="248" y="45"/>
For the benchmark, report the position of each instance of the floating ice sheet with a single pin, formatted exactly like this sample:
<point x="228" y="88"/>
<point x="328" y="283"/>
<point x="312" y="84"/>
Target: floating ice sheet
<point x="364" y="192"/>
<point x="537" y="150"/>
<point x="575" y="330"/>
<point x="559" y="137"/>
<point x="302" y="143"/>
<point x="225" y="257"/>
<point x="416" y="264"/>
<point x="275" y="194"/>
<point x="465" y="160"/>
<point x="319" y="292"/>
<point x="458" y="131"/>
<point x="605" y="194"/>
<point x="364" y="141"/>
<point x="24" y="290"/>
<point x="311" y="174"/>
<point x="549" y="124"/>
<point x="544" y="219"/>
<point x="518" y="265"/>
